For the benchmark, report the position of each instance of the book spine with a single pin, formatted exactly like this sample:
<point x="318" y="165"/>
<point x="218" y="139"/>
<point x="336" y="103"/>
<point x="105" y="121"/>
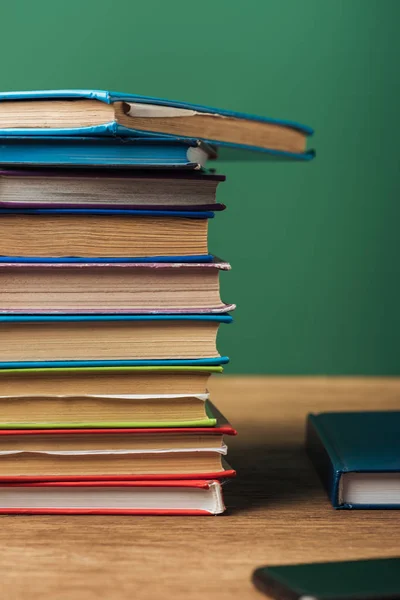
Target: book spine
<point x="324" y="458"/>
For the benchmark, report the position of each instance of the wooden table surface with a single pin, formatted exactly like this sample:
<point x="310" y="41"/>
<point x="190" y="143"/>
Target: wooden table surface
<point x="278" y="512"/>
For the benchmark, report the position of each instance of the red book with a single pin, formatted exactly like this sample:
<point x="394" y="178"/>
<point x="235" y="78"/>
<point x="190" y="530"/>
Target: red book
<point x="39" y="455"/>
<point x="113" y="498"/>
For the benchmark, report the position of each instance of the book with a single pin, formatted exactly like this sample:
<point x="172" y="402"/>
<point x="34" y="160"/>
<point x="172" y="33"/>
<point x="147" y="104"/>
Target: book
<point x="109" y="380"/>
<point x="30" y="411"/>
<point x="100" y="112"/>
<point x="96" y="233"/>
<point x="112" y="188"/>
<point x="78" y="288"/>
<point x="101" y="340"/>
<point x="372" y="579"/>
<point x="115" y="453"/>
<point x="113" y="498"/>
<point x="357" y="456"/>
<point x="103" y="152"/>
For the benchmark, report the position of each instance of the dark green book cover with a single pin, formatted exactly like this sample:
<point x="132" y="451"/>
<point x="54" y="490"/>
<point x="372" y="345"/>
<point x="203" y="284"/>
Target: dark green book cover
<point x="357" y="449"/>
<point x="377" y="579"/>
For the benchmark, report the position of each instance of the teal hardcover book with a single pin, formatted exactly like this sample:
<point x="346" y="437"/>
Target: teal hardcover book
<point x="37" y="341"/>
<point x="373" y="579"/>
<point x="106" y="152"/>
<point x="357" y="456"/>
<point x="104" y="113"/>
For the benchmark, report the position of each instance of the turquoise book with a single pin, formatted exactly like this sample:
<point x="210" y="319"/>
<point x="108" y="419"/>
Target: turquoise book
<point x="103" y="113"/>
<point x="106" y="152"/>
<point x="357" y="457"/>
<point x="35" y="341"/>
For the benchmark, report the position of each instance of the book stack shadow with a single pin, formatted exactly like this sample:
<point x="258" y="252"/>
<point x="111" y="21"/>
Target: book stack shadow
<point x="109" y="312"/>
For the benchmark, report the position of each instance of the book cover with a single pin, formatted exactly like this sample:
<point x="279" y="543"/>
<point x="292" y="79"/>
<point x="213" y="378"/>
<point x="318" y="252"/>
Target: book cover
<point x="373" y="579"/>
<point x="47" y="318"/>
<point x="114" y="369"/>
<point x="353" y="442"/>
<point x="112" y="128"/>
<point x="109" y="212"/>
<point x="104" y="152"/>
<point x="80" y="260"/>
<point x="221" y="427"/>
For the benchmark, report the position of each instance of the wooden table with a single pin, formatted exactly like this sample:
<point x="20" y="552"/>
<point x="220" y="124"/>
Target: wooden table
<point x="278" y="512"/>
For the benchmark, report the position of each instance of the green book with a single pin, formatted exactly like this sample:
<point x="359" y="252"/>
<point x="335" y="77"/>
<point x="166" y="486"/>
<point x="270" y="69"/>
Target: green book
<point x="374" y="579"/>
<point x="110" y="397"/>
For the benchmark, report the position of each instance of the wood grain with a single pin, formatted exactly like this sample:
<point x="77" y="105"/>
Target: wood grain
<point x="278" y="512"/>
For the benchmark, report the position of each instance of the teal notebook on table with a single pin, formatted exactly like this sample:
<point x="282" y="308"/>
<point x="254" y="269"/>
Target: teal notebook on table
<point x="373" y="579"/>
<point x="35" y="341"/>
<point x="104" y="113"/>
<point x="357" y="456"/>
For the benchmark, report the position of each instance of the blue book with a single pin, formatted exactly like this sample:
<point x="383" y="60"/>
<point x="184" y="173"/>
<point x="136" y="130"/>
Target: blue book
<point x="98" y="235"/>
<point x="104" y="152"/>
<point x="37" y="341"/>
<point x="104" y="113"/>
<point x="357" y="456"/>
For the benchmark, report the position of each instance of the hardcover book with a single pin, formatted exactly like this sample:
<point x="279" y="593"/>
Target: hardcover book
<point x="107" y="288"/>
<point x="102" y="113"/>
<point x="189" y="497"/>
<point x="105" y="410"/>
<point x="373" y="579"/>
<point x="101" y="234"/>
<point x="103" y="152"/>
<point x="115" y="453"/>
<point x="120" y="189"/>
<point x="108" y="380"/>
<point x="109" y="340"/>
<point x="357" y="456"/>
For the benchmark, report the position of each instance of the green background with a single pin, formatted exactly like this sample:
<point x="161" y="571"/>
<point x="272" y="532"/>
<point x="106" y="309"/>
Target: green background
<point x="314" y="247"/>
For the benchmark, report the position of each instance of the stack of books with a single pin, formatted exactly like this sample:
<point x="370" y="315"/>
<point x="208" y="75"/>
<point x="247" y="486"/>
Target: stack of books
<point x="110" y="302"/>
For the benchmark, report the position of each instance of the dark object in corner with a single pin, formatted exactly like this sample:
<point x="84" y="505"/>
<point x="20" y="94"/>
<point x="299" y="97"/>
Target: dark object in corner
<point x="374" y="579"/>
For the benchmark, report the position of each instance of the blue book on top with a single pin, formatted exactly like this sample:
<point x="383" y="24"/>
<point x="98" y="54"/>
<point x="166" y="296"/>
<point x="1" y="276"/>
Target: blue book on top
<point x="104" y="113"/>
<point x="34" y="341"/>
<point x="357" y="456"/>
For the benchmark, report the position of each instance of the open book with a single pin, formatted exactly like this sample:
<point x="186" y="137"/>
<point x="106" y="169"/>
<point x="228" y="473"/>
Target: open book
<point x="97" y="112"/>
